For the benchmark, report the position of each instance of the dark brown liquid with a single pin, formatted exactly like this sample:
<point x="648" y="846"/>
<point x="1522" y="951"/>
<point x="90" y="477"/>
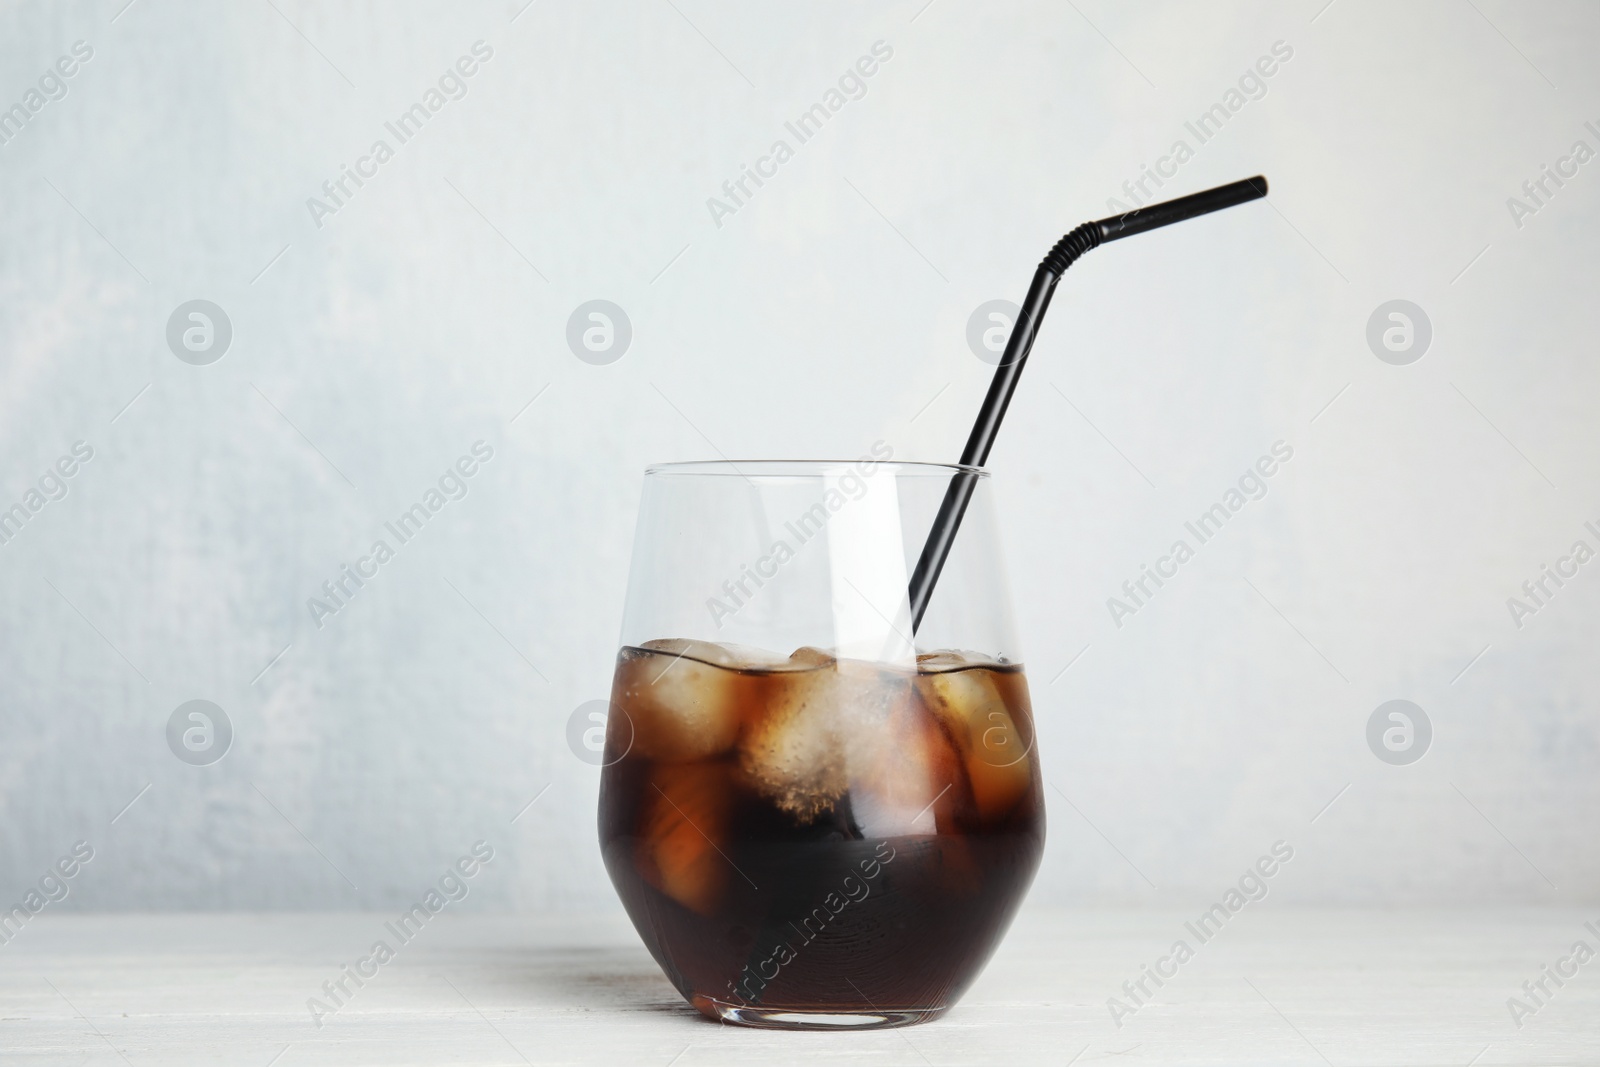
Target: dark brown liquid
<point x="818" y="837"/>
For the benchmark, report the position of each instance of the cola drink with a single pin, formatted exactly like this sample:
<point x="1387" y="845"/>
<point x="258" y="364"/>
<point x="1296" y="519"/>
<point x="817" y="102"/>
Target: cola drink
<point x="810" y="841"/>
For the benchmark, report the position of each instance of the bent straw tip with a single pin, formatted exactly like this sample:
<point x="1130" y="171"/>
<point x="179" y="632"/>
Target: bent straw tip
<point x="1167" y="212"/>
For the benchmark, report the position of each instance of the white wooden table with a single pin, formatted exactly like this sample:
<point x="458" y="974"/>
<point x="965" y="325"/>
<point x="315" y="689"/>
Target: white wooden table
<point x="1274" y="987"/>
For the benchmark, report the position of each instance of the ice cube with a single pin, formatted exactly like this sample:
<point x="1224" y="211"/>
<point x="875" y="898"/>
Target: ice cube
<point x="997" y="755"/>
<point x="792" y="752"/>
<point x="687" y="810"/>
<point x="681" y="707"/>
<point x="906" y="777"/>
<point x="808" y="656"/>
<point x="946" y="659"/>
<point x="734" y="657"/>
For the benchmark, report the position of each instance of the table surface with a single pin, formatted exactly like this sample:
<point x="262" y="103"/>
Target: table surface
<point x="1274" y="987"/>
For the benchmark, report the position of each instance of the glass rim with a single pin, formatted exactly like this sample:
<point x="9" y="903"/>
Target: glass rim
<point x="807" y="468"/>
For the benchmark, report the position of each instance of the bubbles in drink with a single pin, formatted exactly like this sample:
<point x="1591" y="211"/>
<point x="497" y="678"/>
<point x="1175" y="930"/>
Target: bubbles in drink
<point x="798" y="747"/>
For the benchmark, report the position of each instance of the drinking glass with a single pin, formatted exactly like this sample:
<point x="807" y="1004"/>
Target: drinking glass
<point x="816" y="817"/>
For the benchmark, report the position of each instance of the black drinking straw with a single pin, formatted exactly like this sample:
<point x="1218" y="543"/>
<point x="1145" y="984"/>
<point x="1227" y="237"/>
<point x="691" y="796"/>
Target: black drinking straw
<point x="1063" y="255"/>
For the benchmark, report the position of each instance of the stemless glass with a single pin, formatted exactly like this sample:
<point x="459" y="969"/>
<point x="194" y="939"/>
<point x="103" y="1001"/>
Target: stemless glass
<point x="815" y="819"/>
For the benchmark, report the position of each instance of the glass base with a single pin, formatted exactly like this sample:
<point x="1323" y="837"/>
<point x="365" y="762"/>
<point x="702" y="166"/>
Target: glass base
<point x="813" y="1019"/>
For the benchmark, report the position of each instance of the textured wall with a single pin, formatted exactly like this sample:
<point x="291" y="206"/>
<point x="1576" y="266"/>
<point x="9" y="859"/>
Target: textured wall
<point x="375" y="344"/>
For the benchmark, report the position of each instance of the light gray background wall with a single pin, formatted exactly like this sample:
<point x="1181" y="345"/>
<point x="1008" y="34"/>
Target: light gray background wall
<point x="828" y="312"/>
